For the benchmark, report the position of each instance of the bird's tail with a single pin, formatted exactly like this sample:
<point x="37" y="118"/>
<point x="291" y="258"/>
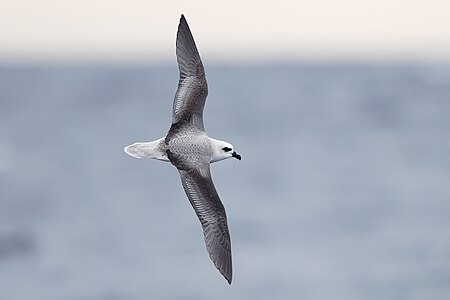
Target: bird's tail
<point x="156" y="150"/>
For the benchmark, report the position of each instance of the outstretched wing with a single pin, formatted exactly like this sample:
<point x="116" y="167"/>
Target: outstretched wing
<point x="203" y="196"/>
<point x="192" y="88"/>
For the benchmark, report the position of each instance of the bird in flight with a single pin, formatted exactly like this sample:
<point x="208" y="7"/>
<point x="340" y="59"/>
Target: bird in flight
<point x="191" y="150"/>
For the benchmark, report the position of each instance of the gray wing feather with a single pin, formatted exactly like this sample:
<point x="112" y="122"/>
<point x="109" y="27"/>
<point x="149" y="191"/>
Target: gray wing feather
<point x="192" y="90"/>
<point x="203" y="196"/>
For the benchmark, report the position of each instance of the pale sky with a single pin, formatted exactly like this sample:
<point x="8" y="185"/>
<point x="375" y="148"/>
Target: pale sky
<point x="228" y="30"/>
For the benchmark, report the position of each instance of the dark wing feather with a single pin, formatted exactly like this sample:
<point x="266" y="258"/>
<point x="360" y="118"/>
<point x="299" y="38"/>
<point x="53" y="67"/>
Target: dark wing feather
<point x="192" y="90"/>
<point x="203" y="196"/>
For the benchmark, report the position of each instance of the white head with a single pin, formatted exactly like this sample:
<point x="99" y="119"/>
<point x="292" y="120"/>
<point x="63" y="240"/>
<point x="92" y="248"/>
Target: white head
<point x="223" y="150"/>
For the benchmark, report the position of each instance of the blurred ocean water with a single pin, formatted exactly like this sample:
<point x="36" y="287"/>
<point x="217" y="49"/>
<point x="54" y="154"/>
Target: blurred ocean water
<point x="343" y="191"/>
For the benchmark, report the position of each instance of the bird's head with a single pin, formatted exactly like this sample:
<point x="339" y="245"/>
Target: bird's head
<point x="223" y="150"/>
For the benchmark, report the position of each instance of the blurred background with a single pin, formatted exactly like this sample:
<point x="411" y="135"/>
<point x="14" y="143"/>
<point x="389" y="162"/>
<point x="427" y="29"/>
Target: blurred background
<point x="340" y="109"/>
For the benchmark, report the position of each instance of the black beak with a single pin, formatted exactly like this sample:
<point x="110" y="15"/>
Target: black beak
<point x="235" y="155"/>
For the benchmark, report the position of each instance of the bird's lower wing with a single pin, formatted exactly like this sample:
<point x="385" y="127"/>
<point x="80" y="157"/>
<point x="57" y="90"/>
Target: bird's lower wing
<point x="203" y="196"/>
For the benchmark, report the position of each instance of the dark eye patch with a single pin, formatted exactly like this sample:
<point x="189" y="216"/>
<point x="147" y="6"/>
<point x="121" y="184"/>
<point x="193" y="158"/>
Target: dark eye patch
<point x="226" y="149"/>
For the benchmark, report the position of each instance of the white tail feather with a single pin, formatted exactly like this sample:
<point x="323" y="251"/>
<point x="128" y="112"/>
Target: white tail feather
<point x="153" y="150"/>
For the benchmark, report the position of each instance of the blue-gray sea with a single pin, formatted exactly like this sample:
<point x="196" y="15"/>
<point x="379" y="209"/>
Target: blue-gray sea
<point x="343" y="191"/>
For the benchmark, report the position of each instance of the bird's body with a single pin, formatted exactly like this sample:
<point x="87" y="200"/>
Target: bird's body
<point x="190" y="150"/>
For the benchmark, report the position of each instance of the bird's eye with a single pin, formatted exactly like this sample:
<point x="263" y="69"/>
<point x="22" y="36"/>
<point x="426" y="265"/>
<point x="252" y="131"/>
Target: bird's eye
<point x="226" y="149"/>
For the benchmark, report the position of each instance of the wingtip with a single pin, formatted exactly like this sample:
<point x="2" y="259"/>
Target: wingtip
<point x="183" y="23"/>
<point x="228" y="275"/>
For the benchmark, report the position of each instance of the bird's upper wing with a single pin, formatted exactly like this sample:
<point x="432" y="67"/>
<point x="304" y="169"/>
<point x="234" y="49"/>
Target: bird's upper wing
<point x="192" y="88"/>
<point x="203" y="196"/>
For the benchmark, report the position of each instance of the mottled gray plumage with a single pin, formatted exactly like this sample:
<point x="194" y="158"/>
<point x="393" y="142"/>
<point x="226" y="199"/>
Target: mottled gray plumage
<point x="191" y="151"/>
<point x="192" y="87"/>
